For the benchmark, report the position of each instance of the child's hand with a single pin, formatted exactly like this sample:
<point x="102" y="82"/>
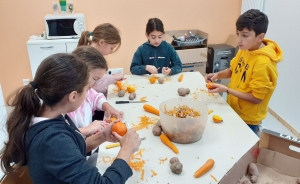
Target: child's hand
<point x="166" y="70"/>
<point x="211" y="77"/>
<point x="130" y="141"/>
<point x="218" y="88"/>
<point x="152" y="69"/>
<point x="113" y="112"/>
<point x="97" y="126"/>
<point x="108" y="134"/>
<point x="118" y="76"/>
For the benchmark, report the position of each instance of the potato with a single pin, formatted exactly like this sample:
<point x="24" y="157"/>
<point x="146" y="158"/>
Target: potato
<point x="182" y="91"/>
<point x="173" y="160"/>
<point x="253" y="179"/>
<point x="187" y="91"/>
<point x="252" y="169"/>
<point x="161" y="80"/>
<point x="121" y="93"/>
<point x="158" y="123"/>
<point x="132" y="96"/>
<point x="156" y="130"/>
<point x="176" y="167"/>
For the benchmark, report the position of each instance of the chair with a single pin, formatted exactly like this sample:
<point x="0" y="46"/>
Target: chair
<point x="115" y="70"/>
<point x="20" y="176"/>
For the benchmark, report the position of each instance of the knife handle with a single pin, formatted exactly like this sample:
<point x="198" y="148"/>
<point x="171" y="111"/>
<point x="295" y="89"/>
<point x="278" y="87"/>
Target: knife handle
<point x="121" y="102"/>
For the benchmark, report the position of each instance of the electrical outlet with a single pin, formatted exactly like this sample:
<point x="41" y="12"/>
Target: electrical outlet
<point x="115" y="70"/>
<point x="26" y="81"/>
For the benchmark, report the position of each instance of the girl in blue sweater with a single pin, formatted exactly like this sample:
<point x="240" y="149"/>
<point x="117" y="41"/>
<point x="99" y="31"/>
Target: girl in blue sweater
<point x="155" y="55"/>
<point x="43" y="137"/>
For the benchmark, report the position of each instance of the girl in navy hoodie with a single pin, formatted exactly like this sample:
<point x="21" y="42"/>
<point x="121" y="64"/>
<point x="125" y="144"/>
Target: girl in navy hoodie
<point x="42" y="136"/>
<point x="155" y="55"/>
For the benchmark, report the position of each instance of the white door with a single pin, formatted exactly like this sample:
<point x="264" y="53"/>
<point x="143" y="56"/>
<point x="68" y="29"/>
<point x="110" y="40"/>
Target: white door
<point x="71" y="47"/>
<point x="37" y="53"/>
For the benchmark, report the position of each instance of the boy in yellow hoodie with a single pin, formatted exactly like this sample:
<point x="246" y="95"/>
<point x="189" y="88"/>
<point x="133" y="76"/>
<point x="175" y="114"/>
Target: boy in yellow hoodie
<point x="253" y="70"/>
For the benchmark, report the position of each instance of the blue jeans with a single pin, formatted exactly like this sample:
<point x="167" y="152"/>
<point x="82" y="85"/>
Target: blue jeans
<point x="254" y="128"/>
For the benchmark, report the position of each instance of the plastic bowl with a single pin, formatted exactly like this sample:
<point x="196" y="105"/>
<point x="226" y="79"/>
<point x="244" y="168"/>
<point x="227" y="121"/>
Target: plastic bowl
<point x="183" y="130"/>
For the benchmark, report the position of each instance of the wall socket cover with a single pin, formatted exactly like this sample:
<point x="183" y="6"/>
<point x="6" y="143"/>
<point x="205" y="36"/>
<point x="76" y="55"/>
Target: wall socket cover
<point x="115" y="70"/>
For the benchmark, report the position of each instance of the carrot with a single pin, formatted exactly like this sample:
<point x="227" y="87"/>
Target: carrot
<point x="206" y="167"/>
<point x="151" y="109"/>
<point x="180" y="78"/>
<point x="119" y="84"/>
<point x="167" y="142"/>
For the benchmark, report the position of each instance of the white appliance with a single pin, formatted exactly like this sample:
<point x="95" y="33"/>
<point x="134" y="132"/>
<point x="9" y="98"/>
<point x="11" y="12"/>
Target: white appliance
<point x="39" y="49"/>
<point x="64" y="25"/>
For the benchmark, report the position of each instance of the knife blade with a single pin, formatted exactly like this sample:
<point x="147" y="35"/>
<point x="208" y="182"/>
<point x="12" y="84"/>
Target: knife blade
<point x="124" y="102"/>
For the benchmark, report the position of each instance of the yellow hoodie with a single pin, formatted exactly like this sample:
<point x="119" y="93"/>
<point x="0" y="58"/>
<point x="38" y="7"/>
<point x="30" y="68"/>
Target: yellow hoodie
<point x="254" y="72"/>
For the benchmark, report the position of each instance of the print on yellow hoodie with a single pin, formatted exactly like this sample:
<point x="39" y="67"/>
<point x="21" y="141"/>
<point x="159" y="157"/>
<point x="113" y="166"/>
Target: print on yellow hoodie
<point x="254" y="72"/>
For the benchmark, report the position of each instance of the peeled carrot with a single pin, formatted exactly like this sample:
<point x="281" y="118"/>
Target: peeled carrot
<point x="206" y="167"/>
<point x="180" y="78"/>
<point x="151" y="109"/>
<point x="167" y="142"/>
<point x="119" y="84"/>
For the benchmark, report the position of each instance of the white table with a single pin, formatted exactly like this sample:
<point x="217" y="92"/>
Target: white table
<point x="226" y="142"/>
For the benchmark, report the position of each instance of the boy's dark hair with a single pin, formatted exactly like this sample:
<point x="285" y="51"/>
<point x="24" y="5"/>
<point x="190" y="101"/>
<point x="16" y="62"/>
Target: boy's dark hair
<point x="154" y="24"/>
<point x="57" y="76"/>
<point x="91" y="56"/>
<point x="253" y="20"/>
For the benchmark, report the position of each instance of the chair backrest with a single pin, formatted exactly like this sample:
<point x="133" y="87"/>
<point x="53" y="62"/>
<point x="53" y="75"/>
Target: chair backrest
<point x="19" y="176"/>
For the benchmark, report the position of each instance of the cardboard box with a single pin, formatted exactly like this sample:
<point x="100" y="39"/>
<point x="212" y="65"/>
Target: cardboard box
<point x="189" y="54"/>
<point x="277" y="157"/>
<point x="194" y="67"/>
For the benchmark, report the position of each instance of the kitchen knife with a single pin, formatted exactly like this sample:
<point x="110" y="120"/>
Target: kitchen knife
<point x="124" y="102"/>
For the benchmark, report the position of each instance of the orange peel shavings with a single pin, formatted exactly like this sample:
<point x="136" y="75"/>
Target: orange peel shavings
<point x="143" y="174"/>
<point x="145" y="122"/>
<point x="182" y="112"/>
<point x="214" y="178"/>
<point x="162" y="160"/>
<point x="106" y="159"/>
<point x="143" y="99"/>
<point x="153" y="173"/>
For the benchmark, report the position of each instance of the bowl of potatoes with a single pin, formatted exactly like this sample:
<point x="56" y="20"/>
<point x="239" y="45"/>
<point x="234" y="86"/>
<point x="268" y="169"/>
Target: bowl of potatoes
<point x="183" y="120"/>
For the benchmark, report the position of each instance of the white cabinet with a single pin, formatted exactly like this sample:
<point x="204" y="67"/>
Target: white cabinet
<point x="38" y="50"/>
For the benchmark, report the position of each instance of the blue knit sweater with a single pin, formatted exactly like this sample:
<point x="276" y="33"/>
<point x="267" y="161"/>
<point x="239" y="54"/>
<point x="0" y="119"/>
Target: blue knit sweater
<point x="57" y="154"/>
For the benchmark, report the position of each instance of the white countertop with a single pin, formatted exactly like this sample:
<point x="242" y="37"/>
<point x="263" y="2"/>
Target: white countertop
<point x="224" y="142"/>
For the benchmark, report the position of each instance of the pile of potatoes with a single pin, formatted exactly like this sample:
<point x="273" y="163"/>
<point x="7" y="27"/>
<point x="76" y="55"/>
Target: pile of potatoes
<point x="132" y="96"/>
<point x="176" y="166"/>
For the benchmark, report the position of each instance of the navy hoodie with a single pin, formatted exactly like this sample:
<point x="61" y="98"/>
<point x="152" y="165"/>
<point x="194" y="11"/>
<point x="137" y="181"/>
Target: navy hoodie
<point x="57" y="154"/>
<point x="162" y="56"/>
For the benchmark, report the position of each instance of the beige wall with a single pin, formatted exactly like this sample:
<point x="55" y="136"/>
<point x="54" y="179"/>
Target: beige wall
<point x="20" y="19"/>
